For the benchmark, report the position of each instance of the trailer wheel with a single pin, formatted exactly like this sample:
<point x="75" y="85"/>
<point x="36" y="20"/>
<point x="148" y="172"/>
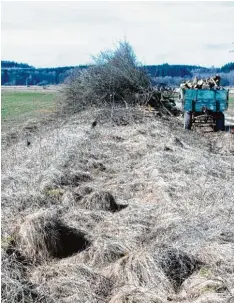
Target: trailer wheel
<point x="187" y="120"/>
<point x="220" y="125"/>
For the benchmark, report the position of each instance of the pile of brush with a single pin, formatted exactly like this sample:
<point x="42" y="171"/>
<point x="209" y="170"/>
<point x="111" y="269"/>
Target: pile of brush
<point x="209" y="83"/>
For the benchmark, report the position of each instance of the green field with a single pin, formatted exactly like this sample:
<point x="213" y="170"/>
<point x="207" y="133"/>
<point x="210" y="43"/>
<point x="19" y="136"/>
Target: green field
<point x="17" y="107"/>
<point x="231" y="105"/>
<point x="231" y="99"/>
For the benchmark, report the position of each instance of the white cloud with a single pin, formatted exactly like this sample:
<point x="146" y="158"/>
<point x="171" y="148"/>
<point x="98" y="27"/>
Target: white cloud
<point x="68" y="33"/>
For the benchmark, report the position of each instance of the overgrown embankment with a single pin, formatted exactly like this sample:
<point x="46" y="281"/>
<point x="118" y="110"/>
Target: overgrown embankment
<point x="133" y="209"/>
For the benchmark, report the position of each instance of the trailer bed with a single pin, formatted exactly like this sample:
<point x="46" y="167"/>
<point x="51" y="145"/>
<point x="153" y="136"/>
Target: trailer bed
<point x="195" y="100"/>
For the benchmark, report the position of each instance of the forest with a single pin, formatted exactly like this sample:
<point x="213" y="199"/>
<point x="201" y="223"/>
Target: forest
<point x="14" y="73"/>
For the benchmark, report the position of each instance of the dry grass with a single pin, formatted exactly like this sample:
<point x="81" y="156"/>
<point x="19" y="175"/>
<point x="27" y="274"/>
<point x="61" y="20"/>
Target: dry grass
<point x="71" y="283"/>
<point x="174" y="240"/>
<point x="102" y="200"/>
<point x="133" y="294"/>
<point x="42" y="236"/>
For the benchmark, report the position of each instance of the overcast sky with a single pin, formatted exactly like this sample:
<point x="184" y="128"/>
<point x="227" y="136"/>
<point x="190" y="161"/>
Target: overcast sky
<point x="46" y="34"/>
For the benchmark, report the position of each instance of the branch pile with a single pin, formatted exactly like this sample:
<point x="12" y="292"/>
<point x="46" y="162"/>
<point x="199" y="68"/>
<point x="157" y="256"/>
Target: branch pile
<point x="116" y="78"/>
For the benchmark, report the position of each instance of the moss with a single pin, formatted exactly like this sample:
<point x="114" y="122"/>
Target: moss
<point x="57" y="192"/>
<point x="209" y="288"/>
<point x="205" y="272"/>
<point x="5" y="242"/>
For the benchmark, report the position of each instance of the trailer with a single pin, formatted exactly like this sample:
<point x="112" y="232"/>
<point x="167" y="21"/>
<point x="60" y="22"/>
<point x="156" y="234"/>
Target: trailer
<point x="203" y="107"/>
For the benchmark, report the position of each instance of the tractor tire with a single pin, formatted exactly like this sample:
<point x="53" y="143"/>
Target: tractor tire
<point x="187" y="120"/>
<point x="220" y="125"/>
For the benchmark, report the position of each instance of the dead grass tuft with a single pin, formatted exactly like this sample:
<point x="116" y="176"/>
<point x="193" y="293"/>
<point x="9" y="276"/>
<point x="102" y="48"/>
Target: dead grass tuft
<point x="103" y="201"/>
<point x="83" y="219"/>
<point x="138" y="269"/>
<point x="65" y="282"/>
<point x="63" y="178"/>
<point x="74" y="178"/>
<point x="133" y="294"/>
<point x="15" y="286"/>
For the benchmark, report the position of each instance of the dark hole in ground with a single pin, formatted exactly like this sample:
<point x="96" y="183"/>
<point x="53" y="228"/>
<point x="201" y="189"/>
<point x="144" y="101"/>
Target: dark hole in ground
<point x="178" y="266"/>
<point x="112" y="203"/>
<point x="166" y="148"/>
<point x="68" y="241"/>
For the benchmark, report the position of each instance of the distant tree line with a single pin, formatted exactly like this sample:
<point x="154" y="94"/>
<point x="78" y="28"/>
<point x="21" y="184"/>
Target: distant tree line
<point x="165" y="70"/>
<point x="173" y="75"/>
<point x="13" y="73"/>
<point x="227" y="67"/>
<point x="12" y="64"/>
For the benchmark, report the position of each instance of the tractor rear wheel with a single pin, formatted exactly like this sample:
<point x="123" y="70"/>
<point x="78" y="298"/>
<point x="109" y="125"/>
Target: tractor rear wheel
<point x="187" y="120"/>
<point x="220" y="125"/>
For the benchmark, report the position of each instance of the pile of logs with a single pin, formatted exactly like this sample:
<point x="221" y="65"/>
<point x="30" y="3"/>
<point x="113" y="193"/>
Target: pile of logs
<point x="213" y="82"/>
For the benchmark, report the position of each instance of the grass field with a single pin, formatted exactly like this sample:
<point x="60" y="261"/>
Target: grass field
<point x="231" y="100"/>
<point x="230" y="110"/>
<point x="17" y="107"/>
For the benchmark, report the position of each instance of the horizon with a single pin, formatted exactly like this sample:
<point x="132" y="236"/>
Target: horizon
<point x="42" y="34"/>
<point x="32" y="66"/>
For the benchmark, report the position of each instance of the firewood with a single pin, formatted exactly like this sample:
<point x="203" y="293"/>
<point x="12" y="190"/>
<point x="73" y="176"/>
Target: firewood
<point x="208" y="83"/>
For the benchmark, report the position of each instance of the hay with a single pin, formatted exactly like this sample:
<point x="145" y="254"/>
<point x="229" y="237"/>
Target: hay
<point x="82" y="191"/>
<point x="83" y="219"/>
<point x="23" y="200"/>
<point x="63" y="178"/>
<point x="133" y="294"/>
<point x="74" y="178"/>
<point x="205" y="282"/>
<point x="64" y="282"/>
<point x="103" y="201"/>
<point x="118" y="234"/>
<point x="138" y="269"/>
<point x="89" y="199"/>
<point x="106" y="250"/>
<point x="43" y="236"/>
<point x="72" y="197"/>
<point x="15" y="287"/>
